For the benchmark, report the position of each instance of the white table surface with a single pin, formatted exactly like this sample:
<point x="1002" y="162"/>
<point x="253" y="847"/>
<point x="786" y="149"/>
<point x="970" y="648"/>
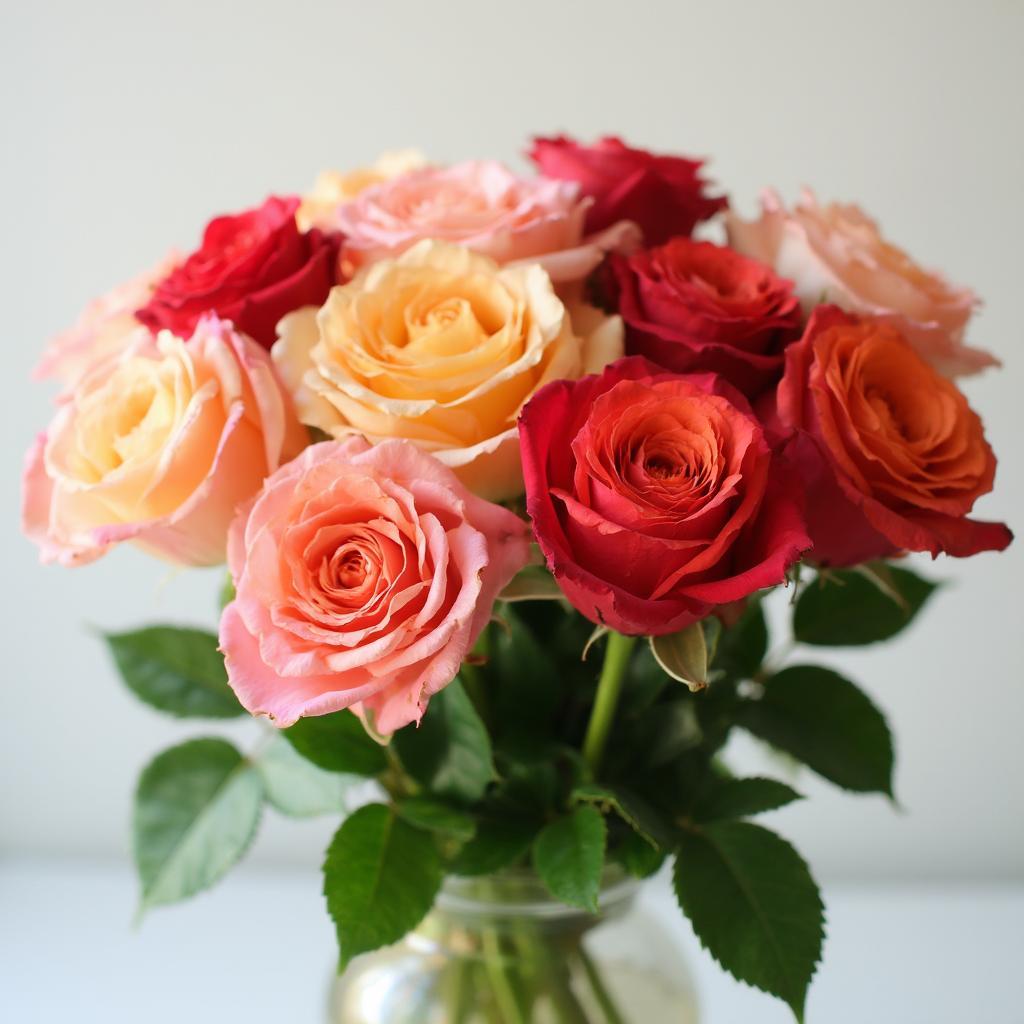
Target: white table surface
<point x="258" y="949"/>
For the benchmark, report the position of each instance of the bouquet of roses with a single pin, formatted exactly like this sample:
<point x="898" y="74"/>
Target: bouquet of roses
<point x="502" y="468"/>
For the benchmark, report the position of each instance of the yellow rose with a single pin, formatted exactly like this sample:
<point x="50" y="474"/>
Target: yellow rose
<point x="442" y="347"/>
<point x="332" y="188"/>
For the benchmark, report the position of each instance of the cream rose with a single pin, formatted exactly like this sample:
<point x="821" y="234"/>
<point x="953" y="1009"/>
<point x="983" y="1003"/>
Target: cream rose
<point x="836" y="254"/>
<point x="441" y="347"/>
<point x="319" y="207"/>
<point x="159" y="445"/>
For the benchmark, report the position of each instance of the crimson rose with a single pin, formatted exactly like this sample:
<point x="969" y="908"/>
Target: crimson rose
<point x="252" y="268"/>
<point x="663" y="194"/>
<point x="655" y="496"/>
<point x="696" y="306"/>
<point x="892" y="456"/>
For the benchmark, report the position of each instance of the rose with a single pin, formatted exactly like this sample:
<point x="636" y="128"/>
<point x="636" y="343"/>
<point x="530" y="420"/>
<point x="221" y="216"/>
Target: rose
<point x="891" y="455"/>
<point x="441" y="347"/>
<point x="480" y="204"/>
<point x="102" y="327"/>
<point x="158" y="445"/>
<point x="663" y="194"/>
<point x="319" y="206"/>
<point x="252" y="268"/>
<point x="655" y="496"/>
<point x="835" y="254"/>
<point x="363" y="576"/>
<point x="696" y="306"/>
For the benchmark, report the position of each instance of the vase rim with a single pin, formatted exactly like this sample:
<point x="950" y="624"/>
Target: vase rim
<point x="520" y="893"/>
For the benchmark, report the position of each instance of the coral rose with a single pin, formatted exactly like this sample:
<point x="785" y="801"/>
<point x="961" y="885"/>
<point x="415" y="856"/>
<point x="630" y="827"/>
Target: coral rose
<point x="363" y="576"/>
<point x="655" y="496"/>
<point x="441" y="347"/>
<point x="158" y="445"/>
<point x="696" y="306"/>
<point x="835" y="254"/>
<point x="892" y="456"/>
<point x="664" y="195"/>
<point x="319" y="207"/>
<point x="102" y="328"/>
<point x="483" y="206"/>
<point x="252" y="268"/>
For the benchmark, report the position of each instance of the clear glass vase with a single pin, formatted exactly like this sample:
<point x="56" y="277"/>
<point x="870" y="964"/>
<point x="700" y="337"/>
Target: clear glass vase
<point x="499" y="950"/>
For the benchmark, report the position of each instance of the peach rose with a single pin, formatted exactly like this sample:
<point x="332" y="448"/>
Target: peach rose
<point x="319" y="206"/>
<point x="102" y="327"/>
<point x="482" y="205"/>
<point x="158" y="445"/>
<point x="440" y="347"/>
<point x="835" y="254"/>
<point x="363" y="576"/>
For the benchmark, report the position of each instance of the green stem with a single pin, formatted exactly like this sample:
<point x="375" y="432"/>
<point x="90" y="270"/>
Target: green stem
<point x="460" y="990"/>
<point x="609" y="686"/>
<point x="506" y="997"/>
<point x="600" y="991"/>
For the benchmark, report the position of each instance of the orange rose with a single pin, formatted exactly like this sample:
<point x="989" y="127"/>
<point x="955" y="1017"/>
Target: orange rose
<point x="892" y="456"/>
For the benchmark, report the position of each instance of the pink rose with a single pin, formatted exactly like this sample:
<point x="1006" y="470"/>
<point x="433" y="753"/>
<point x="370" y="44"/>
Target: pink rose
<point x="102" y="327"/>
<point x="158" y="445"/>
<point x="363" y="576"/>
<point x="835" y="254"/>
<point x="483" y="206"/>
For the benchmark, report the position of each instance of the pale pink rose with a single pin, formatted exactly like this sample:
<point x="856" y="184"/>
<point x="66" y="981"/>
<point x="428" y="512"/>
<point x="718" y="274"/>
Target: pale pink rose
<point x="836" y="254"/>
<point x="363" y="576"/>
<point x="483" y="206"/>
<point x="102" y="327"/>
<point x="158" y="445"/>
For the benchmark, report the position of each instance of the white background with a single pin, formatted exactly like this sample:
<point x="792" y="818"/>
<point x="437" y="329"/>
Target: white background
<point x="126" y="126"/>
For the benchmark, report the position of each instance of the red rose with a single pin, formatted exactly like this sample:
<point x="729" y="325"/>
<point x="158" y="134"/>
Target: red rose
<point x="663" y="194"/>
<point x="252" y="268"/>
<point x="654" y="496"/>
<point x="694" y="306"/>
<point x="891" y="455"/>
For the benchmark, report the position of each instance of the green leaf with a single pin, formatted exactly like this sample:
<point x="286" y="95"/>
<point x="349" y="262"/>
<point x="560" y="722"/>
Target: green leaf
<point x="381" y="876"/>
<point x="742" y="647"/>
<point x="712" y="627"/>
<point x="637" y="855"/>
<point x="522" y="675"/>
<point x="631" y="808"/>
<point x="450" y="751"/>
<point x="742" y="798"/>
<point x="850" y="608"/>
<point x="754" y="906"/>
<point x="823" y="720"/>
<point x="437" y="816"/>
<point x="568" y="855"/>
<point x="534" y="583"/>
<point x="665" y="731"/>
<point x="498" y="844"/>
<point x="337" y="743"/>
<point x="295" y="786"/>
<point x="684" y="656"/>
<point x="196" y="810"/>
<point x="176" y="670"/>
